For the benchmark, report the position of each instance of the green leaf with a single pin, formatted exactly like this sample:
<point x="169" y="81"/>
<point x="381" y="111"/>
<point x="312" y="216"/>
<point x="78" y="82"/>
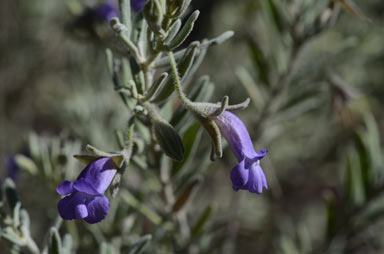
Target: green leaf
<point x="140" y="245"/>
<point x="54" y="242"/>
<point x="198" y="228"/>
<point x="26" y="163"/>
<point x="184" y="32"/>
<point x="365" y="165"/>
<point x="67" y="244"/>
<point x="11" y="194"/>
<point x="191" y="141"/>
<point x="168" y="139"/>
<point x="260" y="62"/>
<point x="276" y="16"/>
<point x="355" y="181"/>
<point x="184" y="196"/>
<point x="372" y="137"/>
<point x="109" y="59"/>
<point x="173" y="30"/>
<point x="183" y="66"/>
<point x="331" y="214"/>
<point x="156" y="86"/>
<point x="106" y="248"/>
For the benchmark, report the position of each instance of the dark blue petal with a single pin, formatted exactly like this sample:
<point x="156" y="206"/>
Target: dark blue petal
<point x="67" y="206"/>
<point x="106" y="11"/>
<point x="137" y="5"/>
<point x="98" y="208"/>
<point x="99" y="174"/>
<point x="256" y="180"/>
<point x="239" y="176"/>
<point x="65" y="188"/>
<point x="84" y="186"/>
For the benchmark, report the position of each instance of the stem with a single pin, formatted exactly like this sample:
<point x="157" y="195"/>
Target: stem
<point x="186" y="102"/>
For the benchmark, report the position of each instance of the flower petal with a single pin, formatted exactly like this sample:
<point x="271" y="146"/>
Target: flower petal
<point x="99" y="174"/>
<point x="239" y="176"/>
<point x="67" y="206"/>
<point x="65" y="188"/>
<point x="98" y="208"/>
<point x="81" y="211"/>
<point x="256" y="180"/>
<point x="84" y="186"/>
<point x="137" y="5"/>
<point x="236" y="134"/>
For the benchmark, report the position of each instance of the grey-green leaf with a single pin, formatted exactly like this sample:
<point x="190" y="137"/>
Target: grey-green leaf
<point x="140" y="245"/>
<point x="184" y="32"/>
<point x="55" y="246"/>
<point x="169" y="140"/>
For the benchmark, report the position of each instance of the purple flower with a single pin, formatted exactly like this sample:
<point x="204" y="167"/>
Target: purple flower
<point x="106" y="11"/>
<point x="85" y="197"/>
<point x="246" y="175"/>
<point x="137" y="5"/>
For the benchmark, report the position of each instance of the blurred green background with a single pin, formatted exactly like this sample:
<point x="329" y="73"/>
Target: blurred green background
<point x="324" y="122"/>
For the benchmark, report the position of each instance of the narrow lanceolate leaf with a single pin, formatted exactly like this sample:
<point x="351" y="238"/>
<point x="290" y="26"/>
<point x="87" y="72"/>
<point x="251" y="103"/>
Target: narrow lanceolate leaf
<point x="331" y="214"/>
<point x="173" y="30"/>
<point x="191" y="141"/>
<point x="140" y="245"/>
<point x="365" y="165"/>
<point x="260" y="62"/>
<point x="55" y="242"/>
<point x="67" y="244"/>
<point x="184" y="32"/>
<point x="169" y="140"/>
<point x="199" y="226"/>
<point x="156" y="86"/>
<point x="26" y="163"/>
<point x="183" y="67"/>
<point x="184" y="196"/>
<point x="352" y="8"/>
<point x="276" y="16"/>
<point x="11" y="194"/>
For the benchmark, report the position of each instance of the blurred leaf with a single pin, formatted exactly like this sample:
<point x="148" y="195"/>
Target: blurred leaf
<point x="253" y="89"/>
<point x="190" y="140"/>
<point x="260" y="62"/>
<point x="26" y="163"/>
<point x="355" y="184"/>
<point x="365" y="166"/>
<point x="54" y="242"/>
<point x="142" y="208"/>
<point x="352" y="8"/>
<point x="106" y="248"/>
<point x="140" y="245"/>
<point x="276" y="16"/>
<point x="198" y="228"/>
<point x="372" y="136"/>
<point x="11" y="194"/>
<point x="109" y="58"/>
<point x="67" y="244"/>
<point x="331" y="214"/>
<point x="184" y="196"/>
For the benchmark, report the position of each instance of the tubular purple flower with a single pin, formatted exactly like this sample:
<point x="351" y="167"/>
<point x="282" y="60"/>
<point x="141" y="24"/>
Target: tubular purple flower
<point x="85" y="197"/>
<point x="247" y="175"/>
<point x="137" y="5"/>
